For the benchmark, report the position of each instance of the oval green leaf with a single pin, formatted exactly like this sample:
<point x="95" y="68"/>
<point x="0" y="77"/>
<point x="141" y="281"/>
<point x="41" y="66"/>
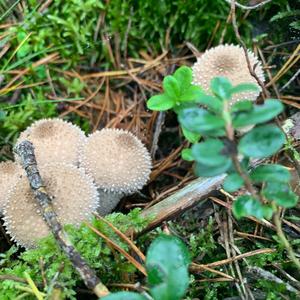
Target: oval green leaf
<point x="190" y="136"/>
<point x="281" y="193"/>
<point x="187" y="155"/>
<point x="209" y="153"/>
<point x="200" y="121"/>
<point x="233" y="182"/>
<point x="160" y="102"/>
<point x="221" y="87"/>
<point x="202" y="170"/>
<point x="167" y="268"/>
<point x="245" y="87"/>
<point x="246" y="205"/>
<point x="184" y="77"/>
<point x="259" y="114"/>
<point x="171" y="87"/>
<point x="191" y="94"/>
<point x="211" y="102"/>
<point x="269" y="172"/>
<point x="239" y="106"/>
<point x="262" y="141"/>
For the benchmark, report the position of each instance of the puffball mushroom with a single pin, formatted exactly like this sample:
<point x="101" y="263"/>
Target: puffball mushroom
<point x="119" y="163"/>
<point x="54" y="140"/>
<point x="228" y="61"/>
<point x="74" y="198"/>
<point x="9" y="173"/>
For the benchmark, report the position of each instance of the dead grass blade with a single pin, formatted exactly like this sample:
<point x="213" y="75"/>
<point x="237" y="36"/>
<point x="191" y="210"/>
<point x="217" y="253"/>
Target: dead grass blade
<point x="118" y="248"/>
<point x="234" y="258"/>
<point x="124" y="237"/>
<point x="146" y="67"/>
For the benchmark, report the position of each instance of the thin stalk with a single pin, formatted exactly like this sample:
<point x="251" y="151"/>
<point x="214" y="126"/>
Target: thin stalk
<point x="230" y="135"/>
<point x="284" y="240"/>
<point x="244" y="175"/>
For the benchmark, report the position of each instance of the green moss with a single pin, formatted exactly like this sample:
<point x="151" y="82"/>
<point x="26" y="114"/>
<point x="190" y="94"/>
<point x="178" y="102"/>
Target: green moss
<point x="110" y="265"/>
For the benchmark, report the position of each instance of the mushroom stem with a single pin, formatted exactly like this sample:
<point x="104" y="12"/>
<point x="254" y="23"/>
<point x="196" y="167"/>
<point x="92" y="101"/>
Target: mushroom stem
<point x="107" y="202"/>
<point x="26" y="152"/>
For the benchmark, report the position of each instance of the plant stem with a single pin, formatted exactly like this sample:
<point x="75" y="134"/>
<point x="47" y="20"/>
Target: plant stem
<point x="230" y="135"/>
<point x="282" y="237"/>
<point x="244" y="175"/>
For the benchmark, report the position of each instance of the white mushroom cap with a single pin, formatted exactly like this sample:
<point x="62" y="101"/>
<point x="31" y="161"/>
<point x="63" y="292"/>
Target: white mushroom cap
<point x="54" y="140"/>
<point x="74" y="198"/>
<point x="9" y="174"/>
<point x="117" y="160"/>
<point x="229" y="61"/>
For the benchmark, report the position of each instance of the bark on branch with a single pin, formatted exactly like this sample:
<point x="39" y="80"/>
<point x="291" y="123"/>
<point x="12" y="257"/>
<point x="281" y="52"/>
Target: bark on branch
<point x="26" y="152"/>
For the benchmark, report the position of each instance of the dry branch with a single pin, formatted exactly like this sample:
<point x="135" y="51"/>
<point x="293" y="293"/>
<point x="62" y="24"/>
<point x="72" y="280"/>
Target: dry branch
<point x="26" y="152"/>
<point x="187" y="197"/>
<point x="256" y="273"/>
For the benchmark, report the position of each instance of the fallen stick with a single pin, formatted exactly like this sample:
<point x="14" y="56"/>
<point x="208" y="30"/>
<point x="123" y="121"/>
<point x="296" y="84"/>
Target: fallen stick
<point x="26" y="152"/>
<point x="174" y="205"/>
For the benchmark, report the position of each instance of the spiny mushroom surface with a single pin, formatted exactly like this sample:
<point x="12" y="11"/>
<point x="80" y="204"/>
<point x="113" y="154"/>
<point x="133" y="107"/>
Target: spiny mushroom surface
<point x="9" y="174"/>
<point x="228" y="61"/>
<point x="117" y="160"/>
<point x="54" y="140"/>
<point x="74" y="198"/>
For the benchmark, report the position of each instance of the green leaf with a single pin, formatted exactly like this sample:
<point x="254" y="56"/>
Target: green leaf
<point x="187" y="155"/>
<point x="200" y="121"/>
<point x="211" y="102"/>
<point x="268" y="211"/>
<point x="124" y="296"/>
<point x="221" y="87"/>
<point x="167" y="268"/>
<point x="245" y="105"/>
<point x="202" y="170"/>
<point x="259" y="114"/>
<point x="245" y="87"/>
<point x="272" y="172"/>
<point x="2" y="115"/>
<point x="160" y="102"/>
<point x="191" y="94"/>
<point x="262" y="141"/>
<point x="281" y="193"/>
<point x="190" y="136"/>
<point x="184" y="77"/>
<point x="209" y="153"/>
<point x="171" y="87"/>
<point x="246" y="205"/>
<point x="233" y="182"/>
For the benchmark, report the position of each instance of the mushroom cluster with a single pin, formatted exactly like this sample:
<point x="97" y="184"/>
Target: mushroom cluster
<point x="228" y="61"/>
<point x="81" y="174"/>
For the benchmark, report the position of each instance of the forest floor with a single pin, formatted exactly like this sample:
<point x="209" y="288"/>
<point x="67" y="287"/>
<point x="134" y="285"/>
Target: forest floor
<point x="232" y="259"/>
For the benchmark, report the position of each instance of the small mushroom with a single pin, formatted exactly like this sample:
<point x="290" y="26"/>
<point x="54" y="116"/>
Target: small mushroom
<point x="74" y="198"/>
<point x="9" y="173"/>
<point x="229" y="61"/>
<point x="54" y="140"/>
<point x="119" y="163"/>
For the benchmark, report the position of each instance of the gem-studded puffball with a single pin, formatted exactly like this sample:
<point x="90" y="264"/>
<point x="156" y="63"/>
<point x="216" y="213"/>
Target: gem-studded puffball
<point x="74" y="198"/>
<point x="9" y="174"/>
<point x="228" y="61"/>
<point x="54" y="140"/>
<point x="117" y="160"/>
